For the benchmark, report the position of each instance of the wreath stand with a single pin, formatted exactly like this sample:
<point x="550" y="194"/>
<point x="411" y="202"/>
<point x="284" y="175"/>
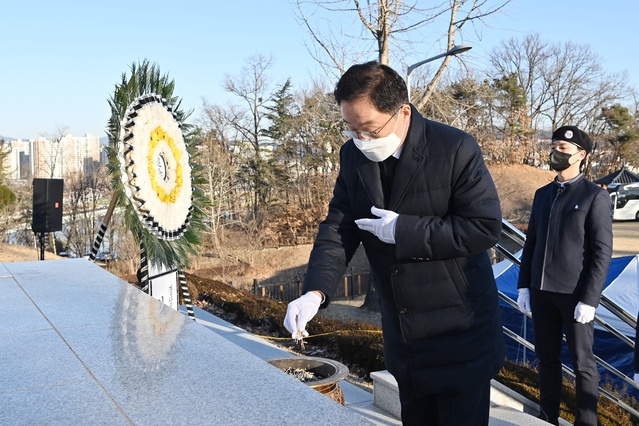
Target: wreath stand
<point x="162" y="285"/>
<point x="156" y="185"/>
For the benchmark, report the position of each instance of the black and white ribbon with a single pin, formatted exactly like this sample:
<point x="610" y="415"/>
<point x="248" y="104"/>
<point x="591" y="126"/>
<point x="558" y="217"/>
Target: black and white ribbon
<point x="144" y="269"/>
<point x="186" y="295"/>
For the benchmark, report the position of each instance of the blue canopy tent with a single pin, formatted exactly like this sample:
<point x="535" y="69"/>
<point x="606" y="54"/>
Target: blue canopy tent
<point x="621" y="288"/>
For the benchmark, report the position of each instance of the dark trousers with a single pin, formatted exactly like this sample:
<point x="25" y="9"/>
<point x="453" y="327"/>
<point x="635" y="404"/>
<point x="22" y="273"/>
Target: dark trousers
<point x="553" y="314"/>
<point x="466" y="409"/>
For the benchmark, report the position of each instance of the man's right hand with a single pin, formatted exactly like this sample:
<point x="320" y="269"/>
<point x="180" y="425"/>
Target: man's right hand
<point x="523" y="300"/>
<point x="300" y="311"/>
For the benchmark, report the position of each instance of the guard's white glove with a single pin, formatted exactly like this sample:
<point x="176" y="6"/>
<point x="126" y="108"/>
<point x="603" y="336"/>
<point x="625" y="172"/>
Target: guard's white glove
<point x="636" y="378"/>
<point x="383" y="228"/>
<point x="299" y="312"/>
<point x="523" y="300"/>
<point x="584" y="313"/>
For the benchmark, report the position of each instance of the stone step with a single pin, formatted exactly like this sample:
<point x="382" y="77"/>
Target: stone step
<point x="507" y="406"/>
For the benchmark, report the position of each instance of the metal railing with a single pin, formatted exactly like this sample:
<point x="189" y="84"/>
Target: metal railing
<point x="514" y="235"/>
<point x="353" y="284"/>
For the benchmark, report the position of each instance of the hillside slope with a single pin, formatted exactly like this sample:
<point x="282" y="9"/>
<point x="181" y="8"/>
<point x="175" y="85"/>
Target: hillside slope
<point x="516" y="186"/>
<point x="14" y="253"/>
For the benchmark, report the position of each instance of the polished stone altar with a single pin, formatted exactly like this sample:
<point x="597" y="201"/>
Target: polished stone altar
<point x="80" y="346"/>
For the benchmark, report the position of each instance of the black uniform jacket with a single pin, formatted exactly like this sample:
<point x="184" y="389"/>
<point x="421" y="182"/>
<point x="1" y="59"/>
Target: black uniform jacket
<point x="438" y="297"/>
<point x="569" y="240"/>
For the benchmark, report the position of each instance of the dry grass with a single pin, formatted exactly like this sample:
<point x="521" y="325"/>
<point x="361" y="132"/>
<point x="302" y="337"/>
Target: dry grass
<point x="516" y="185"/>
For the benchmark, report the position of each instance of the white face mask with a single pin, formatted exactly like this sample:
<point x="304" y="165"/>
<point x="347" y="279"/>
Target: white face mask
<point x="379" y="149"/>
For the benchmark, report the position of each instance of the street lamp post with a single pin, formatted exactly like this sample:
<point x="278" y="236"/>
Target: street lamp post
<point x="455" y="50"/>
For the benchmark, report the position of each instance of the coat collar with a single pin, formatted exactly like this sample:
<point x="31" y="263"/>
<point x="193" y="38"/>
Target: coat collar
<point x="569" y="183"/>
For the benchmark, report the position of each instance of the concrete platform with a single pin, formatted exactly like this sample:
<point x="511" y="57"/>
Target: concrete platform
<point x="81" y="346"/>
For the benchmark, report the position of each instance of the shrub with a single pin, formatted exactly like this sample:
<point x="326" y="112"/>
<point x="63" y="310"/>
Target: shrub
<point x="7" y="196"/>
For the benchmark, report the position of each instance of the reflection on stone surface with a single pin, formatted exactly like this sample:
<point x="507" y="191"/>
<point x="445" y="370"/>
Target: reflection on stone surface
<point x="88" y="348"/>
<point x="144" y="331"/>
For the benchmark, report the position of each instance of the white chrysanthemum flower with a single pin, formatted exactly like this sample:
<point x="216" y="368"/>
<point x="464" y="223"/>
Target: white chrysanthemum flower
<point x="155" y="167"/>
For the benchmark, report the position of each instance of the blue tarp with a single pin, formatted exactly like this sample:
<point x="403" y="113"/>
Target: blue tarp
<point x="621" y="283"/>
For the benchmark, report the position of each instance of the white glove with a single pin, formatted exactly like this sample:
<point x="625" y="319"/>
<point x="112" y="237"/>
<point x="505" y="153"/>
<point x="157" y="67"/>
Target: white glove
<point x="383" y="228"/>
<point x="584" y="313"/>
<point x="636" y="378"/>
<point x="299" y="312"/>
<point x="523" y="300"/>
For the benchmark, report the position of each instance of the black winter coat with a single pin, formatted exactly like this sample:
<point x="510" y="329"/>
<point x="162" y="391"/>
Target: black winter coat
<point x="438" y="297"/>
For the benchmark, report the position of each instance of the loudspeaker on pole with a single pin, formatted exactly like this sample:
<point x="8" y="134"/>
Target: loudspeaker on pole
<point x="47" y="205"/>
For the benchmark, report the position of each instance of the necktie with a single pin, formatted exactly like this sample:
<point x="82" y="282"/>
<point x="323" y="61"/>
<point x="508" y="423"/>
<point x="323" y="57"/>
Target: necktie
<point x="387" y="169"/>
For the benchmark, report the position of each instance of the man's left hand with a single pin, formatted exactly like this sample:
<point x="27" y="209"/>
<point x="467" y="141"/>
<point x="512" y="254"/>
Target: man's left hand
<point x="383" y="228"/>
<point x="584" y="313"/>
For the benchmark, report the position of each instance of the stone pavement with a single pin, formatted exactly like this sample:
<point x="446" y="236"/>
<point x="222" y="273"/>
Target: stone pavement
<point x="80" y="346"/>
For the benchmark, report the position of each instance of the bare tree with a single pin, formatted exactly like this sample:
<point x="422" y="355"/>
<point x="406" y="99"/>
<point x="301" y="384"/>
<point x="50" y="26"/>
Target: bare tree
<point x="564" y="82"/>
<point x="385" y="25"/>
<point x="253" y="89"/>
<point x="525" y="59"/>
<point x="314" y="161"/>
<point x="123" y="243"/>
<point x="578" y="86"/>
<point x="216" y="158"/>
<point x="83" y="192"/>
<point x="49" y="152"/>
<point x="468" y="103"/>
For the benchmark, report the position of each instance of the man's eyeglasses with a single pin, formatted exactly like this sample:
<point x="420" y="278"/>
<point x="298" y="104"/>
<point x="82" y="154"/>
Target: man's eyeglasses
<point x="351" y="134"/>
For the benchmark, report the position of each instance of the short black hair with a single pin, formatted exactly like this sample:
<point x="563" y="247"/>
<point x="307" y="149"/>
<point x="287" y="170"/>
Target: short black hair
<point x="381" y="84"/>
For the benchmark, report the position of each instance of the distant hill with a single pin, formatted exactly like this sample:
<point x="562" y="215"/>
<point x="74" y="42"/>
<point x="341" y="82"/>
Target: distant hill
<point x="7" y="138"/>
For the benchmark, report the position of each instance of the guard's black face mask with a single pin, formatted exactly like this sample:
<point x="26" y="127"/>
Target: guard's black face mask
<point x="560" y="161"/>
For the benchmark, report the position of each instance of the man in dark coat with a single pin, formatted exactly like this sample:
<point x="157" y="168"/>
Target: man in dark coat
<point x="563" y="270"/>
<point x="419" y="197"/>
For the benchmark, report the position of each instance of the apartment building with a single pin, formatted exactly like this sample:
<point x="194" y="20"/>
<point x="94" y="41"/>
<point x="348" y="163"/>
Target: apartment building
<point x="18" y="162"/>
<point x="44" y="158"/>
